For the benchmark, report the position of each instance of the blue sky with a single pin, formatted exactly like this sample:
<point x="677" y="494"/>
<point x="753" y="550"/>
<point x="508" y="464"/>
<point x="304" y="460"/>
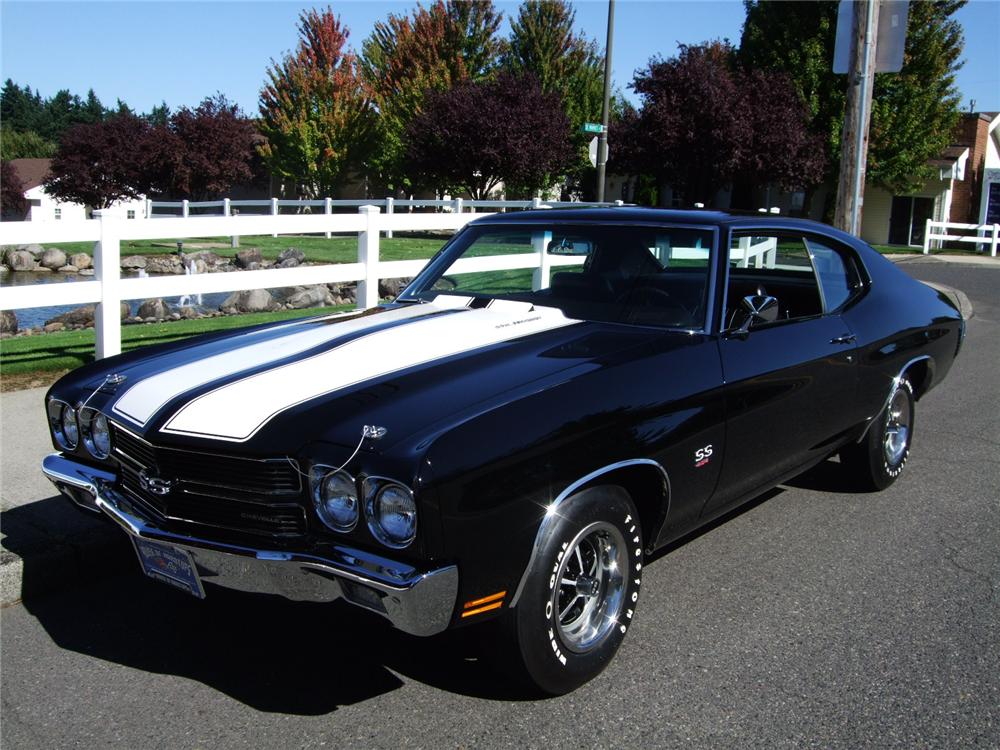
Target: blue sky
<point x="180" y="52"/>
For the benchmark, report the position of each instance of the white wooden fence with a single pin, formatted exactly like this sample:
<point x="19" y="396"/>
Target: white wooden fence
<point x="980" y="238"/>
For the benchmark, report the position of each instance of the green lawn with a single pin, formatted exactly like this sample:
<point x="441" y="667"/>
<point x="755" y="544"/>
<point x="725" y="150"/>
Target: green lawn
<point x="318" y="249"/>
<point x="65" y="350"/>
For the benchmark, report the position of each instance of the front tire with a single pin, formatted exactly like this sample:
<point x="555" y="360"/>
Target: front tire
<point x="580" y="597"/>
<point x="878" y="460"/>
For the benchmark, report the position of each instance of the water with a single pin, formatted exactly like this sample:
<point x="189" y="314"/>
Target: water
<point x="36" y="316"/>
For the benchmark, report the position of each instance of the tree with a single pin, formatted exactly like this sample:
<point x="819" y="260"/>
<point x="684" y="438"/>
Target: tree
<point x="407" y="56"/>
<point x="24" y="144"/>
<point x="478" y="134"/>
<point x="315" y="115"/>
<point x="102" y="163"/>
<point x="20" y="108"/>
<point x="705" y="124"/>
<point x="542" y="42"/>
<point x="205" y="151"/>
<point x="913" y="112"/>
<point x="12" y="200"/>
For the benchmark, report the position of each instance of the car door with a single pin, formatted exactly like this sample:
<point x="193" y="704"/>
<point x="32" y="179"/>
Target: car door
<point x="791" y="374"/>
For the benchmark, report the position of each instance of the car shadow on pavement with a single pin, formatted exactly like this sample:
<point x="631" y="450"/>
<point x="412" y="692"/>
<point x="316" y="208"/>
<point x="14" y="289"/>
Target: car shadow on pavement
<point x="264" y="651"/>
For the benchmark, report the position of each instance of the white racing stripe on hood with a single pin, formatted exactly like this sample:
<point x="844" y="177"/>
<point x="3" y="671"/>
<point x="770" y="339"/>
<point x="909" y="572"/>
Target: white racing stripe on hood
<point x="144" y="399"/>
<point x="235" y="412"/>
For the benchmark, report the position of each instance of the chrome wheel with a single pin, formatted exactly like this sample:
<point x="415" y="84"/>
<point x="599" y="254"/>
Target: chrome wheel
<point x="897" y="429"/>
<point x="590" y="593"/>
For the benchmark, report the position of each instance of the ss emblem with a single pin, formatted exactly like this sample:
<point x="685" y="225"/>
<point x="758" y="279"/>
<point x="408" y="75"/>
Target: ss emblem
<point x="702" y="456"/>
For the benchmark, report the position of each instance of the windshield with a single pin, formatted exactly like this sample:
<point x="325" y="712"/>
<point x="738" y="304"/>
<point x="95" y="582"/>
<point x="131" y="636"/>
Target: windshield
<point x="626" y="274"/>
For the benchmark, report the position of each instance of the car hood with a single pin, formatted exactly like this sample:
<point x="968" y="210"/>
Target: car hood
<point x="400" y="367"/>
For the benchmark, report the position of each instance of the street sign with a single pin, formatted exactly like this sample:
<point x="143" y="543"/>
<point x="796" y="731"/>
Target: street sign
<point x="593" y="151"/>
<point x="592" y="127"/>
<point x="890" y="36"/>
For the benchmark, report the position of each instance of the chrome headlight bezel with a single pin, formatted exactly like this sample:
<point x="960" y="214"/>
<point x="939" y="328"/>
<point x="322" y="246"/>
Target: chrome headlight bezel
<point x="59" y="411"/>
<point x="89" y="420"/>
<point x="321" y="478"/>
<point x="376" y="489"/>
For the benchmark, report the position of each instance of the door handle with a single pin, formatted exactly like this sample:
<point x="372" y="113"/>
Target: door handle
<point x="847" y="338"/>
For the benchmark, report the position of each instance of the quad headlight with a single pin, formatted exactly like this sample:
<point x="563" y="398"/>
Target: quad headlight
<point x="392" y="515"/>
<point x="62" y="420"/>
<point x="335" y="497"/>
<point x="96" y="434"/>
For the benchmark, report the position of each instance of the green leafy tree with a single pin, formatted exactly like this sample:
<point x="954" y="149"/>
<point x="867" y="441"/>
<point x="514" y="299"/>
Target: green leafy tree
<point x="543" y="43"/>
<point x="24" y="144"/>
<point x="432" y="49"/>
<point x="913" y="111"/>
<point x="314" y="112"/>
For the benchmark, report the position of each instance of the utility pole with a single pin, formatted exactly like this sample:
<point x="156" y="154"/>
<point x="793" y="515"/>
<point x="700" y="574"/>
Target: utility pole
<point x="854" y="140"/>
<point x="602" y="142"/>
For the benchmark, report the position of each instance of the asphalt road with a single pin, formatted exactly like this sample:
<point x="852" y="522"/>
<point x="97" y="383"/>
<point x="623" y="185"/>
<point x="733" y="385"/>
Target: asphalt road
<point x="814" y="617"/>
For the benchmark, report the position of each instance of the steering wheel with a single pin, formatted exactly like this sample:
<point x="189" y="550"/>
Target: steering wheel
<point x="653" y="305"/>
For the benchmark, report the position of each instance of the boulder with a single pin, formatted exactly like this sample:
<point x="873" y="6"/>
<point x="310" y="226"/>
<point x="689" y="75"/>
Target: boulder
<point x="35" y="250"/>
<point x="291" y="254"/>
<point x="156" y="309"/>
<point x="8" y="321"/>
<point x="21" y="260"/>
<point x="83" y="316"/>
<point x="86" y="271"/>
<point x="390" y="288"/>
<point x="189" y="313"/>
<point x="247" y="258"/>
<point x="205" y="260"/>
<point x="81" y="260"/>
<point x="310" y="296"/>
<point x="251" y="300"/>
<point x="68" y="269"/>
<point x="53" y="327"/>
<point x="133" y="262"/>
<point x="164" y="264"/>
<point x="53" y="259"/>
<point x="345" y="292"/>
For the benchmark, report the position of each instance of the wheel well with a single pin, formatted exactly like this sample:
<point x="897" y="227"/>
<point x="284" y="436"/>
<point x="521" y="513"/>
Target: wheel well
<point x="649" y="489"/>
<point x="919" y="375"/>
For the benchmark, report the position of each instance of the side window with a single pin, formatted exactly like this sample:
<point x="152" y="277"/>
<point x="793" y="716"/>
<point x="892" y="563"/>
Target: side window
<point x="771" y="265"/>
<point x="838" y="276"/>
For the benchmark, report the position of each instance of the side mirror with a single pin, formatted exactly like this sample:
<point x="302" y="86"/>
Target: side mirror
<point x="760" y="308"/>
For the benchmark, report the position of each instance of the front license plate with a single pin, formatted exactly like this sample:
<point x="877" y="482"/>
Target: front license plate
<point x="170" y="565"/>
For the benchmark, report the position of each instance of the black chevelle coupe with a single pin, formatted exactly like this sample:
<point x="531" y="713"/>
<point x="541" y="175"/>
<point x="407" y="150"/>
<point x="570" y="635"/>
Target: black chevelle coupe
<point x="510" y="445"/>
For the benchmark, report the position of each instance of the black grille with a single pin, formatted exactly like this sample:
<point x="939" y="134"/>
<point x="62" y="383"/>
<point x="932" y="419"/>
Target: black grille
<point x="228" y="492"/>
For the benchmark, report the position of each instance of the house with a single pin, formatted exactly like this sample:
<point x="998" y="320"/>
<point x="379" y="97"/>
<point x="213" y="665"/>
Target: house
<point x="43" y="207"/>
<point x="964" y="190"/>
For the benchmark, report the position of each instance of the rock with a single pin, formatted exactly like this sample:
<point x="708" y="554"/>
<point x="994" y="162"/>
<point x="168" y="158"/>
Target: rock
<point x="53" y="258"/>
<point x="288" y="263"/>
<point x="68" y="269"/>
<point x="87" y="272"/>
<point x="156" y="309"/>
<point x="83" y="316"/>
<point x="251" y="300"/>
<point x="310" y="296"/>
<point x="247" y="258"/>
<point x="35" y="250"/>
<point x="53" y="327"/>
<point x="164" y="264"/>
<point x="8" y="321"/>
<point x="205" y="260"/>
<point x="81" y="261"/>
<point x="188" y="313"/>
<point x="133" y="262"/>
<point x="345" y="292"/>
<point x="293" y="254"/>
<point x="391" y="287"/>
<point x="21" y="260"/>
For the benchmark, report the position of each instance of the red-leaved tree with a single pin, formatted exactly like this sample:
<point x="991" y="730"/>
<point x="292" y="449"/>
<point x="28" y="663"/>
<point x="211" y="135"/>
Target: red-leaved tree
<point x="477" y="135"/>
<point x="705" y="124"/>
<point x="13" y="204"/>
<point x="102" y="163"/>
<point x="203" y="152"/>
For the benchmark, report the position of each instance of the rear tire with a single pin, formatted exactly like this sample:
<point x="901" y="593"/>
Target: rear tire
<point x="581" y="594"/>
<point x="878" y="460"/>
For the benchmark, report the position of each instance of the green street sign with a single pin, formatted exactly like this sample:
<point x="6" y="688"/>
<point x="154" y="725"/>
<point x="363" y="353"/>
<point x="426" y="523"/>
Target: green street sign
<point x="592" y="127"/>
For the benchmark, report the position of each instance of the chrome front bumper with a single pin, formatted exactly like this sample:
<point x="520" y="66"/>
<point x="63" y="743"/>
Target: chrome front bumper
<point x="420" y="603"/>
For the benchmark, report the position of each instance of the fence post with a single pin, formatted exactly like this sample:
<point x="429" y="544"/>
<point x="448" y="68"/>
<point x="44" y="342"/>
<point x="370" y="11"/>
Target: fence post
<point x="994" y="239"/>
<point x="274" y="211"/>
<point x="927" y="236"/>
<point x="227" y="207"/>
<point x="745" y="248"/>
<point x="107" y="271"/>
<point x="368" y="255"/>
<point x="185" y="208"/>
<point x="541" y="275"/>
<point x="536" y="202"/>
<point x="389" y="203"/>
<point x="457" y="208"/>
<point x="328" y="210"/>
<point x="149" y="208"/>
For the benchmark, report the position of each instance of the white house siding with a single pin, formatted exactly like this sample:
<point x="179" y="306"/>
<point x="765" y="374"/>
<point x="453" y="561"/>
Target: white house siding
<point x="44" y="208"/>
<point x="877" y="210"/>
<point x="991" y="175"/>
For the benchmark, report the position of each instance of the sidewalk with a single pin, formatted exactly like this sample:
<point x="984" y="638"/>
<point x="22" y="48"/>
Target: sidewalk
<point x="45" y="543"/>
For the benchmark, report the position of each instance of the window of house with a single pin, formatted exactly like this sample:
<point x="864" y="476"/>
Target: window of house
<point x="58" y="214"/>
<point x="130" y="214"/>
